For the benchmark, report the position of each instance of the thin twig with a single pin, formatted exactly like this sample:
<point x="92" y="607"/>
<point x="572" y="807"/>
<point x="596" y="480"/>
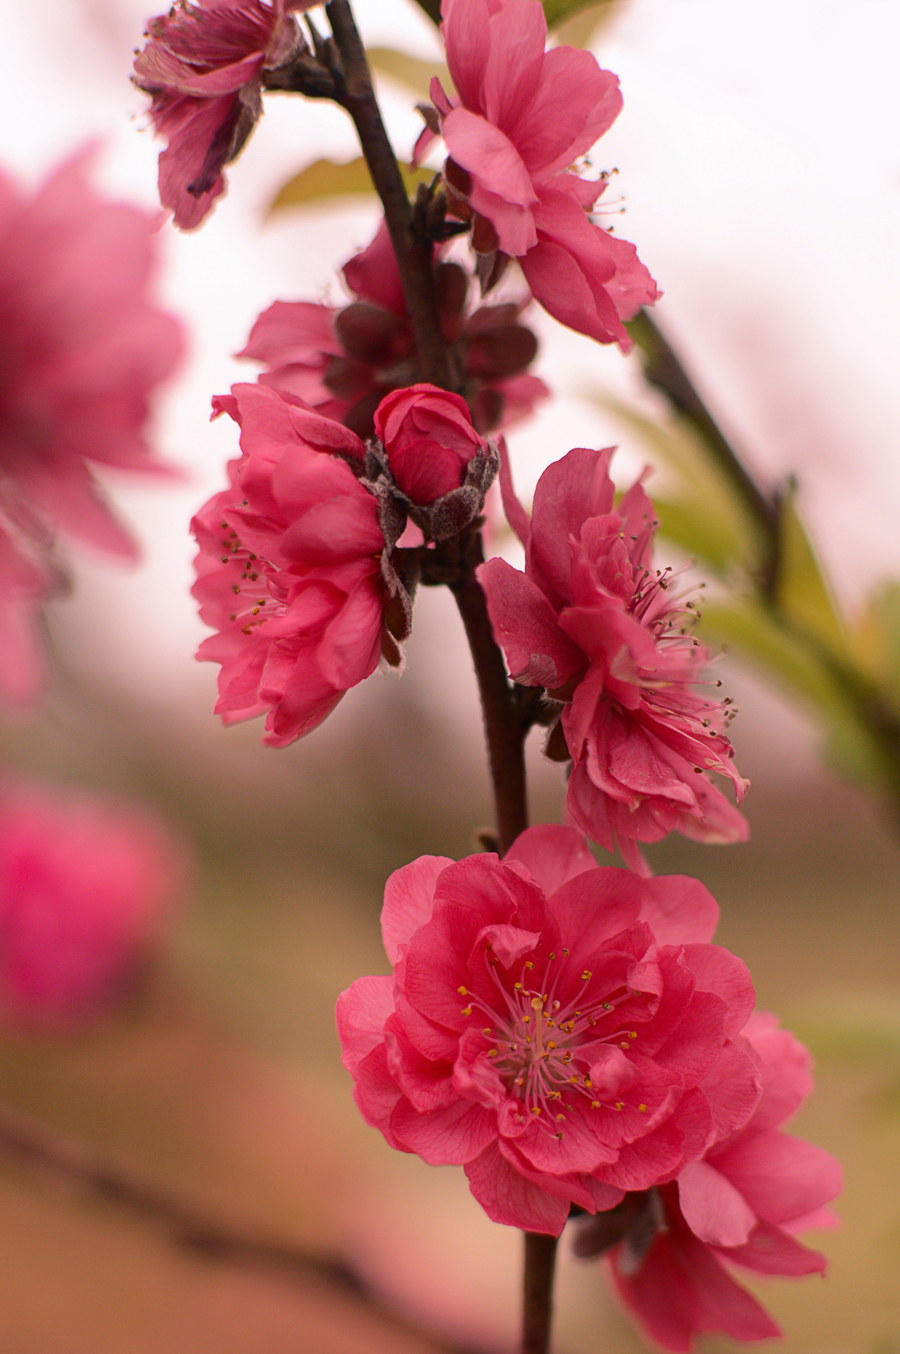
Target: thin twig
<point x="504" y="727"/>
<point x="414" y="256"/>
<point x="540" y="1262"/>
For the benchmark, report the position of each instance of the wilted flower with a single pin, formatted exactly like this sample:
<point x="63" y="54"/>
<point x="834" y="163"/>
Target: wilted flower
<point x="87" y="889"/>
<point x="81" y="350"/>
<point x="548" y="1025"/>
<point x="344" y="360"/>
<point x="742" y="1203"/>
<point x="594" y="623"/>
<point x="294" y="570"/>
<point x="521" y="118"/>
<point x="203" y="65"/>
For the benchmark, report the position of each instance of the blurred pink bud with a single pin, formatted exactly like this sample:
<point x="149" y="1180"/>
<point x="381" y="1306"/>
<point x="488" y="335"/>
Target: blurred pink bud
<point x="82" y="348"/>
<point x="522" y="117"/>
<point x="203" y="65"/>
<point x="87" y="890"/>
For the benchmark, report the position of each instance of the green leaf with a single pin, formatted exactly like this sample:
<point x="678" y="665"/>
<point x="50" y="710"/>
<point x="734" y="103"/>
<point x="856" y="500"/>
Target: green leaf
<point x="409" y="70"/>
<point x="802" y="590"/>
<point x="327" y="178"/>
<point x="579" y="26"/>
<point x="701" y="511"/>
<point x="877" y="639"/>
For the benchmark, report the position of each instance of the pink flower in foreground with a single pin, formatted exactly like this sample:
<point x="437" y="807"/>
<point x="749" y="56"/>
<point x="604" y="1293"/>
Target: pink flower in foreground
<point x="203" y="65"/>
<point x="742" y="1203"/>
<point x="522" y="117"/>
<point x="292" y="570"/>
<point x="429" y="440"/>
<point x="81" y="350"/>
<point x="86" y="891"/>
<point x="552" y="1026"/>
<point x="343" y="360"/>
<point x="592" y="622"/>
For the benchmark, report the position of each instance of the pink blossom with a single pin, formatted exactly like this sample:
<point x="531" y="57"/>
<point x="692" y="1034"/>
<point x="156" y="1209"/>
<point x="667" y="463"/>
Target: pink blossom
<point x="742" y="1203"/>
<point x="343" y="360"/>
<point x="203" y="65"/>
<point x="592" y="622"/>
<point x="292" y="570"/>
<point x="429" y="440"/>
<point x="82" y="349"/>
<point x="522" y="117"/>
<point x="86" y="891"/>
<point x="549" y="1025"/>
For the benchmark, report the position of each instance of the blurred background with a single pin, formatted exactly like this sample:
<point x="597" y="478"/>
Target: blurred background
<point x="759" y="165"/>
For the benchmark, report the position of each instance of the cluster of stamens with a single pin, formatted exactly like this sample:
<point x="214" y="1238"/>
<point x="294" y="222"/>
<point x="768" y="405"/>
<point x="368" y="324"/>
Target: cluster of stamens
<point x="538" y="1042"/>
<point x="249" y="565"/>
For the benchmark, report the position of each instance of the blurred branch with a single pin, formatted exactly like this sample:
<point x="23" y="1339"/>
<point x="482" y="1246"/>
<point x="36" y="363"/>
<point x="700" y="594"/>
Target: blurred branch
<point x="788" y="580"/>
<point x="76" y="1164"/>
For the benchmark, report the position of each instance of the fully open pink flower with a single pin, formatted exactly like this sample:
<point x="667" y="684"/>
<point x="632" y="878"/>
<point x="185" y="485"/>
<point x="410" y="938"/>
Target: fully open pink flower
<point x="290" y="570"/>
<point x="521" y="118"/>
<point x="343" y="360"/>
<point x="592" y="622"/>
<point x="548" y="1025"/>
<point x="86" y="889"/>
<point x="203" y="65"/>
<point x="742" y="1203"/>
<point x="81" y="350"/>
<point x="429" y="440"/>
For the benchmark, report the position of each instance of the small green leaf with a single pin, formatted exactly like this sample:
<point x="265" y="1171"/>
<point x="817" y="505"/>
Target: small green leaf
<point x="327" y="178"/>
<point x="802" y="591"/>
<point x="579" y="27"/>
<point x="409" y="70"/>
<point x="876" y="640"/>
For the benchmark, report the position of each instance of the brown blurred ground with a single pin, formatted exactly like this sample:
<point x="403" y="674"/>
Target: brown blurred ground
<point x="223" y="1079"/>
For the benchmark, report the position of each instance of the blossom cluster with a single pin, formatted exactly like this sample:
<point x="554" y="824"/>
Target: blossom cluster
<point x="566" y="1032"/>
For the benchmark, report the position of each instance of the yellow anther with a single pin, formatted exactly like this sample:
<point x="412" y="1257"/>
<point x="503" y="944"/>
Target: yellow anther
<point x="595" y="1104"/>
<point x="517" y="987"/>
<point x="467" y="1010"/>
<point x="625" y="1046"/>
<point x="487" y="1030"/>
<point x="573" y="1080"/>
<point x="560" y="1117"/>
<point x="551" y="1043"/>
<point x="565" y="951"/>
<point x="555" y="1095"/>
<point x="529" y="964"/>
<point x="587" y="974"/>
<point x="632" y="1034"/>
<point x="620" y="1105"/>
<point x="642" y="1109"/>
<point x="463" y="991"/>
<point x="536" y="1003"/>
<point x="535" y="1109"/>
<point x="492" y="1053"/>
<point x="526" y="1020"/>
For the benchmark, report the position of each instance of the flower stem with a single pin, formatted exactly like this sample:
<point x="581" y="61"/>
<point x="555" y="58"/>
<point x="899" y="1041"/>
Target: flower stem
<point x="414" y="256"/>
<point x="504" y="727"/>
<point x="540" y="1261"/>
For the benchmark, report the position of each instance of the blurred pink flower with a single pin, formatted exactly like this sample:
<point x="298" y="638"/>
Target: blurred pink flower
<point x="742" y="1203"/>
<point x="521" y="118"/>
<point x="429" y="440"/>
<point x="548" y="1025"/>
<point x="87" y="889"/>
<point x="203" y="65"/>
<point x="343" y="360"/>
<point x="592" y="622"/>
<point x="292" y="570"/>
<point x="82" y="349"/>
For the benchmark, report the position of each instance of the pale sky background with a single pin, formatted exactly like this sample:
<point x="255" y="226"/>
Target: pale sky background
<point x="759" y="158"/>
